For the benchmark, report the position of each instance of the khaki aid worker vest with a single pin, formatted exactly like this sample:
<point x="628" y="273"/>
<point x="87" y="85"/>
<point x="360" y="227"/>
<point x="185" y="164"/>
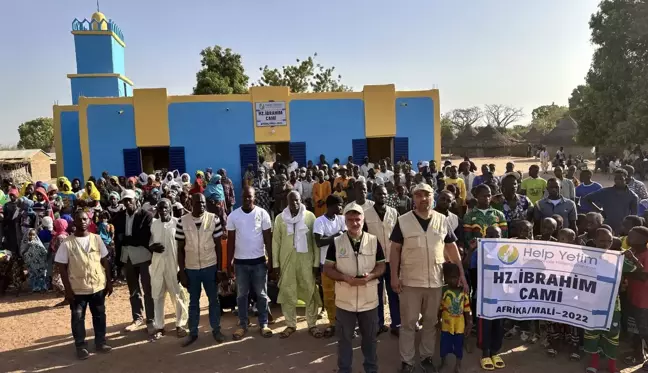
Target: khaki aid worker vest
<point x="382" y="229"/>
<point x="422" y="253"/>
<point x="356" y="298"/>
<point x="199" y="241"/>
<point x="85" y="271"/>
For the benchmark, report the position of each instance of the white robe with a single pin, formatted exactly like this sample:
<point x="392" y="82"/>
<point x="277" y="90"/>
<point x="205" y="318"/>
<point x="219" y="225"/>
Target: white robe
<point x="164" y="274"/>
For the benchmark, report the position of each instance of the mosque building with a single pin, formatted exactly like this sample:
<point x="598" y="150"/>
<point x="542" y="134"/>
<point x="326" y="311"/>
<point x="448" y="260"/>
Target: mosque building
<point x="112" y="126"/>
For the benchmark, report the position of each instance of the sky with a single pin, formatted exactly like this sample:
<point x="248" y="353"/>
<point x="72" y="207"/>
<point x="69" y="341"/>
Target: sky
<point x="520" y="53"/>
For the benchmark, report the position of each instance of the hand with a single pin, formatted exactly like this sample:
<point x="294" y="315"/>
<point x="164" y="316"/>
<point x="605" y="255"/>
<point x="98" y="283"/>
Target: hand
<point x="630" y="256"/>
<point x="69" y="295"/>
<point x="230" y="270"/>
<point x="182" y="278"/>
<point x="109" y="288"/>
<point x="157" y="247"/>
<point x="396" y="285"/>
<point x="438" y="324"/>
<point x="473" y="244"/>
<point x="464" y="284"/>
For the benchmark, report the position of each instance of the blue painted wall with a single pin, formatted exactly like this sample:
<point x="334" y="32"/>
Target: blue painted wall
<point x="94" y="54"/>
<point x="211" y="135"/>
<point x="109" y="134"/>
<point x="416" y="122"/>
<point x="94" y="87"/>
<point x="327" y="126"/>
<point x="118" y="62"/>
<point x="72" y="163"/>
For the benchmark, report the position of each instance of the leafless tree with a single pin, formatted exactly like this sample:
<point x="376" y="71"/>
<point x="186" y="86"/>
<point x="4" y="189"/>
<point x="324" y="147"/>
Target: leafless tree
<point x="501" y="116"/>
<point x="463" y="118"/>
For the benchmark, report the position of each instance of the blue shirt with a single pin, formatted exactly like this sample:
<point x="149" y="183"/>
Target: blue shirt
<point x="582" y="190"/>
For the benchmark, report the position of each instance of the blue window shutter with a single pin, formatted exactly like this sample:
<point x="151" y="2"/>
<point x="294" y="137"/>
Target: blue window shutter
<point x="132" y="162"/>
<point x="248" y="156"/>
<point x="298" y="151"/>
<point x="177" y="159"/>
<point x="401" y="148"/>
<point x="360" y="150"/>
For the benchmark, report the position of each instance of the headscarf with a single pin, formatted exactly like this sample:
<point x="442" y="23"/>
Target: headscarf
<point x="47" y="223"/>
<point x="61" y="180"/>
<point x="200" y="174"/>
<point x="114" y="194"/>
<point x="94" y="192"/>
<point x="133" y="180"/>
<point x="143" y="178"/>
<point x="36" y="246"/>
<point x="42" y="192"/>
<point x="60" y="228"/>
<point x="197" y="187"/>
<point x="27" y="204"/>
<point x="166" y="183"/>
<point x="214" y="189"/>
<point x="13" y="192"/>
<point x="23" y="188"/>
<point x="68" y="218"/>
<point x="52" y="188"/>
<point x="66" y="183"/>
<point x="185" y="183"/>
<point x="176" y="176"/>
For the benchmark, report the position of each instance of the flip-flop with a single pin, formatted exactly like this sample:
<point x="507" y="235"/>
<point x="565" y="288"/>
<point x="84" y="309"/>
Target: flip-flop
<point x="591" y="370"/>
<point x="266" y="332"/>
<point x="315" y="332"/>
<point x="498" y="362"/>
<point x="487" y="363"/>
<point x="238" y="334"/>
<point x="287" y="332"/>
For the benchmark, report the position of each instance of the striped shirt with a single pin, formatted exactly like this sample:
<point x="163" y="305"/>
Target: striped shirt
<point x="218" y="227"/>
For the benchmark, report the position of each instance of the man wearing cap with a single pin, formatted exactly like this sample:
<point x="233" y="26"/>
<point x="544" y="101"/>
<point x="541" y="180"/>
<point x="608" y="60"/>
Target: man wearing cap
<point x="133" y="233"/>
<point x="379" y="221"/>
<point x="355" y="260"/>
<point x="420" y="242"/>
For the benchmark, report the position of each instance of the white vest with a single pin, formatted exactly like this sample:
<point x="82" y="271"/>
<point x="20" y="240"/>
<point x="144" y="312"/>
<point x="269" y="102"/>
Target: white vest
<point x="199" y="242"/>
<point x="356" y="298"/>
<point x="422" y="255"/>
<point x="382" y="229"/>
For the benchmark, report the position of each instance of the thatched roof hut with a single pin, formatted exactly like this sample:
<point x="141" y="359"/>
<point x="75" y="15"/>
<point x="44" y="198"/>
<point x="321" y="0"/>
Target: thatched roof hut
<point x="447" y="140"/>
<point x="563" y="134"/>
<point x="489" y="137"/>
<point x="466" y="138"/>
<point x="534" y="136"/>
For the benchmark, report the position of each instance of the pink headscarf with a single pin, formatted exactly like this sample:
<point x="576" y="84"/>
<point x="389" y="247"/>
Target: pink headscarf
<point x="60" y="228"/>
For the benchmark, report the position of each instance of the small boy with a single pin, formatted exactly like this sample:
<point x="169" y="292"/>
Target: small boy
<point x="547" y="230"/>
<point x="607" y="342"/>
<point x="638" y="296"/>
<point x="569" y="334"/>
<point x="559" y="224"/>
<point x="340" y="192"/>
<point x="454" y="315"/>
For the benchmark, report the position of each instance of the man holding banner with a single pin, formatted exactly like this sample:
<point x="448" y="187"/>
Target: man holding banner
<point x="420" y="242"/>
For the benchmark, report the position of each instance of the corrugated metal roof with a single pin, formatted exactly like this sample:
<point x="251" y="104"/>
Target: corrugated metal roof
<point x="19" y="154"/>
<point x="52" y="155"/>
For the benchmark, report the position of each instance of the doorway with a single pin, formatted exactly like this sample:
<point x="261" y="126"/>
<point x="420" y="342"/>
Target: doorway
<point x="154" y="159"/>
<point x="270" y="151"/>
<point x="380" y="148"/>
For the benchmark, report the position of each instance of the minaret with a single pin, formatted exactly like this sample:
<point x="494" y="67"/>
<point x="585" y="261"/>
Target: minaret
<point x="99" y="47"/>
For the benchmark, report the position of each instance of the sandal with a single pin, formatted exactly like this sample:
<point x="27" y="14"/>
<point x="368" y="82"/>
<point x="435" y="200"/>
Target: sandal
<point x="315" y="332"/>
<point x="238" y="334"/>
<point x="329" y="331"/>
<point x="266" y="332"/>
<point x="591" y="370"/>
<point x="552" y="352"/>
<point x="498" y="362"/>
<point x="574" y="356"/>
<point x="383" y="329"/>
<point x="287" y="332"/>
<point x="487" y="363"/>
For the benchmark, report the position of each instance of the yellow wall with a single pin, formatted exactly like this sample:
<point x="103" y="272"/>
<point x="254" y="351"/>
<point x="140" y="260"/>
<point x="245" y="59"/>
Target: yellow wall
<point x="380" y="110"/>
<point x="276" y="133"/>
<point x="58" y="140"/>
<point x="151" y="117"/>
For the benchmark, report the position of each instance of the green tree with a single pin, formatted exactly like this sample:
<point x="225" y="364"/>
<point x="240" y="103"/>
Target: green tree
<point x="305" y="76"/>
<point x="221" y="73"/>
<point x="447" y="130"/>
<point x="544" y="118"/>
<point x="459" y="119"/>
<point x="611" y="107"/>
<point x="36" y="134"/>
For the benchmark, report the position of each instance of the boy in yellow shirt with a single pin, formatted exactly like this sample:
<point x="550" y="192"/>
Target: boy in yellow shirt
<point x="454" y="179"/>
<point x="455" y="316"/>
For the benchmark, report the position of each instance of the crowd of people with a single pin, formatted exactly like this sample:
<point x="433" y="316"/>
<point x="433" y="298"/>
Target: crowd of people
<point x="342" y="238"/>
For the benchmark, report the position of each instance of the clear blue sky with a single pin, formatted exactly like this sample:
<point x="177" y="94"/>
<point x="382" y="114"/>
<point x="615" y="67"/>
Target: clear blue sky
<point x="523" y="53"/>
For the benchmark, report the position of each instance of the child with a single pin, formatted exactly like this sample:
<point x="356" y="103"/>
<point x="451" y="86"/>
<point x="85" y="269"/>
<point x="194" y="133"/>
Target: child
<point x="581" y="223"/>
<point x="35" y="256"/>
<point x="454" y="315"/>
<point x="340" y="193"/>
<point x="607" y="342"/>
<point x="45" y="235"/>
<point x="559" y="224"/>
<point x="491" y="332"/>
<point x="593" y="221"/>
<point x="629" y="222"/>
<point x="547" y="230"/>
<point x="637" y="298"/>
<point x="107" y="233"/>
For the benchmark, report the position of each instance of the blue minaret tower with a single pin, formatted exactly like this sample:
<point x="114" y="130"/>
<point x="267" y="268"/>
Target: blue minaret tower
<point x="99" y="46"/>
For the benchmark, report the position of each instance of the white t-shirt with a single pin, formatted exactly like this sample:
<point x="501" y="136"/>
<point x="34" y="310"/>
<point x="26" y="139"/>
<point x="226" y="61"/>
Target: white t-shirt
<point x="364" y="169"/>
<point x="249" y="229"/>
<point x="325" y="227"/>
<point x="84" y="242"/>
<point x="386" y="176"/>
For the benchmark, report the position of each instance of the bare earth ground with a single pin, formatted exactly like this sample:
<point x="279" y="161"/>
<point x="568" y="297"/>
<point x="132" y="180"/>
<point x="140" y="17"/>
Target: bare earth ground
<point x="34" y="337"/>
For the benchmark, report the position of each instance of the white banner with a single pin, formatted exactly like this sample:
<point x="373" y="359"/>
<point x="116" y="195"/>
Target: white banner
<point x="541" y="280"/>
<point x="271" y="113"/>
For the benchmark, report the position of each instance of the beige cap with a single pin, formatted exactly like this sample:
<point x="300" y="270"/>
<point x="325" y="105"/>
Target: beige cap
<point x="353" y="207"/>
<point x="423" y="187"/>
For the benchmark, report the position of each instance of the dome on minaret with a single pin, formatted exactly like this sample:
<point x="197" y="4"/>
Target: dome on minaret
<point x="99" y="21"/>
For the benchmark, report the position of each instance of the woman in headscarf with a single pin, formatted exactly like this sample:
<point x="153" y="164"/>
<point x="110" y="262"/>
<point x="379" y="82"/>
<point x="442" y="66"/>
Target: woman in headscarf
<point x="10" y="220"/>
<point x="28" y="218"/>
<point x="169" y="182"/>
<point x="42" y="205"/>
<point x="200" y="176"/>
<point x="143" y="178"/>
<point x="122" y="180"/>
<point x="131" y="184"/>
<point x="215" y="196"/>
<point x="176" y="176"/>
<point x="68" y="197"/>
<point x="103" y="192"/>
<point x="148" y="186"/>
<point x="60" y="181"/>
<point x="58" y="235"/>
<point x="27" y="190"/>
<point x="113" y="185"/>
<point x="76" y="185"/>
<point x="91" y="196"/>
<point x="113" y="204"/>
<point x="185" y="181"/>
<point x="35" y="256"/>
<point x="262" y="189"/>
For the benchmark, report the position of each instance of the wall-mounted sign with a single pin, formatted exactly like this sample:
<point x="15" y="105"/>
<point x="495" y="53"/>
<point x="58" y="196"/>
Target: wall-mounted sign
<point x="271" y="113"/>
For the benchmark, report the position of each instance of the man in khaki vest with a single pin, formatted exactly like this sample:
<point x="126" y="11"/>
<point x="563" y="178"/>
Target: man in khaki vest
<point x="380" y="220"/>
<point x="420" y="241"/>
<point x="355" y="260"/>
<point x="85" y="272"/>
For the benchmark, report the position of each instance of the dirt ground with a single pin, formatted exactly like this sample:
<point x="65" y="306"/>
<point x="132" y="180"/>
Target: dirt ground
<point x="35" y="337"/>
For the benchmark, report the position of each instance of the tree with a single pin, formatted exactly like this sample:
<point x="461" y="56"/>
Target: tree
<point x="517" y="131"/>
<point x="460" y="119"/>
<point x="544" y="118"/>
<point x="447" y="130"/>
<point x="611" y="107"/>
<point x="305" y="76"/>
<point x="501" y="116"/>
<point x="36" y="134"/>
<point x="222" y="72"/>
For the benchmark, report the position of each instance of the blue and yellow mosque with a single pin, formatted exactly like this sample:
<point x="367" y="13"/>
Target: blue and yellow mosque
<point x="112" y="126"/>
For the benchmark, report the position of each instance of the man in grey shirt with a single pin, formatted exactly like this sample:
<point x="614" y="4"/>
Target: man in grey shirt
<point x="615" y="202"/>
<point x="555" y="203"/>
